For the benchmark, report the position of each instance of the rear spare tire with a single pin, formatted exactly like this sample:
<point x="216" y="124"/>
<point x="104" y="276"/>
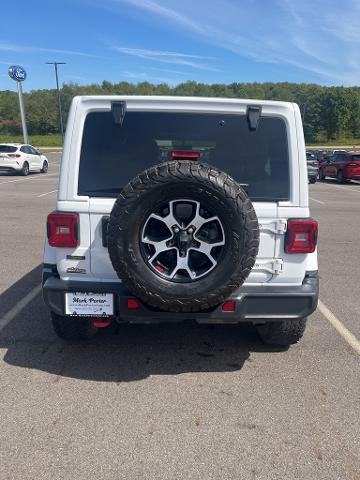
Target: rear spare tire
<point x="183" y="236"/>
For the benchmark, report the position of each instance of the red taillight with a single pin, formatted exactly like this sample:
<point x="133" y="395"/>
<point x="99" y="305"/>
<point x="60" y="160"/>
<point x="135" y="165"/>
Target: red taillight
<point x="17" y="155"/>
<point x="301" y="235"/>
<point x="132" y="304"/>
<point x="229" y="306"/>
<point x="101" y="322"/>
<point x="62" y="230"/>
<point x="184" y="154"/>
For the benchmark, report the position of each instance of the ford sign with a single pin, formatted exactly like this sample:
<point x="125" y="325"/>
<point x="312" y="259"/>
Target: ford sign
<point x="17" y="73"/>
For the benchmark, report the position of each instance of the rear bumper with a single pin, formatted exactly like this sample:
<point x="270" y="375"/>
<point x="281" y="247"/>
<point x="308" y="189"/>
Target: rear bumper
<point x="253" y="304"/>
<point x="9" y="169"/>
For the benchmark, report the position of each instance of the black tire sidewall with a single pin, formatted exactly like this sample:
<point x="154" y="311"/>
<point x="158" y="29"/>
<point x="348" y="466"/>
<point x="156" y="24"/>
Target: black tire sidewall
<point x="25" y="171"/>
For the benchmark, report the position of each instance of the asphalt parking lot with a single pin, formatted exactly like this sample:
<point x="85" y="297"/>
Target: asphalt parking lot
<point x="177" y="401"/>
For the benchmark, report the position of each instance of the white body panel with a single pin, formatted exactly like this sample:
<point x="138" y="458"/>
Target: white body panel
<point x="272" y="265"/>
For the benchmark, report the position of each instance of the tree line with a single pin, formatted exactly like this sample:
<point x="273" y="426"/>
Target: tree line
<point x="329" y="113"/>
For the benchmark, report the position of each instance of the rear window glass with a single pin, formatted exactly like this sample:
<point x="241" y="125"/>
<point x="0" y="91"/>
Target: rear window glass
<point x="356" y="158"/>
<point x="7" y="149"/>
<point x="111" y="154"/>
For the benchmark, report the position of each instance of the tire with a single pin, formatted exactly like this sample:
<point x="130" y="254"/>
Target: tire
<point x="312" y="180"/>
<point x="321" y="175"/>
<point x="73" y="328"/>
<point x="204" y="185"/>
<point x="45" y="167"/>
<point x="282" y="332"/>
<point x="340" y="177"/>
<point x="25" y="169"/>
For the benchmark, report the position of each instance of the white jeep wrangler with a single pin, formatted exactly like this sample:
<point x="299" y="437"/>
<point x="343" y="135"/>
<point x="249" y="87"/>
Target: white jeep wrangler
<point x="175" y="208"/>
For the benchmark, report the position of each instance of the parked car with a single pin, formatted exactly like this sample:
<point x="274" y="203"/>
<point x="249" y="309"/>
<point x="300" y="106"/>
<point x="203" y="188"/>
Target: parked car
<point x="320" y="155"/>
<point x="22" y="159"/>
<point x="312" y="167"/>
<point x="343" y="166"/>
<point x="136" y="238"/>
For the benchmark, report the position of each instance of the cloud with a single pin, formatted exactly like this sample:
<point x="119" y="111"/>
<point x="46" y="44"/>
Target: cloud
<point x="11" y="47"/>
<point x="164" y="11"/>
<point x="318" y="36"/>
<point x="162" y="56"/>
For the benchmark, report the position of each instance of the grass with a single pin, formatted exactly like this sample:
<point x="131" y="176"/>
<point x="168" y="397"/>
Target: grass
<point x="337" y="142"/>
<point x="36" y="140"/>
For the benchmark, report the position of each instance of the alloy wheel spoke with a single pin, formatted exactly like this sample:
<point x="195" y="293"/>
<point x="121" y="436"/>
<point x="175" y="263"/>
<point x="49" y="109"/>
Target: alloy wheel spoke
<point x="206" y="249"/>
<point x="182" y="263"/>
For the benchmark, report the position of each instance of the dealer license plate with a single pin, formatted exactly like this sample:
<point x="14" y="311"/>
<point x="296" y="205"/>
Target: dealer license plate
<point x="89" y="304"/>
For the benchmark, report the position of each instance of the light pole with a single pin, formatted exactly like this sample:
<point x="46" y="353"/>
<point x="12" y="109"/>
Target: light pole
<point x="58" y="94"/>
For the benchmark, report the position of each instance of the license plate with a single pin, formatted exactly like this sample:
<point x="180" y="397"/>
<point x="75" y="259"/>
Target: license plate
<point x="89" y="304"/>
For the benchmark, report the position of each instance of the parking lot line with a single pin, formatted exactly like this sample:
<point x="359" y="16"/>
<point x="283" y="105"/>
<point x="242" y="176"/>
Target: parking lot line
<point x="344" y="188"/>
<point x="335" y="322"/>
<point x="11" y="314"/>
<point x="47" y="193"/>
<point x="30" y="178"/>
<point x="318" y="201"/>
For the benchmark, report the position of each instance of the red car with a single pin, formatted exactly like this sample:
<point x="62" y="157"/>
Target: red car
<point x="342" y="166"/>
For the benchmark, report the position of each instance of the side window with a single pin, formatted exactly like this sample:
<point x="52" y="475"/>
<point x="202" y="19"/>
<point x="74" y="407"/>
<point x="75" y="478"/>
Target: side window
<point x="32" y="151"/>
<point x="24" y="149"/>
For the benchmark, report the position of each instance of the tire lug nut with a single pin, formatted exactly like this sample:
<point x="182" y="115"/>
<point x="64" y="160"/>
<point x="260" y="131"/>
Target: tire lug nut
<point x="176" y="229"/>
<point x="190" y="230"/>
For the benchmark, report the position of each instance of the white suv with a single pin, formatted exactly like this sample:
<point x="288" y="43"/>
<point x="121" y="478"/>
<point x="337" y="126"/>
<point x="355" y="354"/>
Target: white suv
<point x="21" y="158"/>
<point x="173" y="208"/>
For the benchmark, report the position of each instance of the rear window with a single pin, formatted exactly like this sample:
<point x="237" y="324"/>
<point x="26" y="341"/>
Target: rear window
<point x="356" y="158"/>
<point x="111" y="154"/>
<point x="7" y="149"/>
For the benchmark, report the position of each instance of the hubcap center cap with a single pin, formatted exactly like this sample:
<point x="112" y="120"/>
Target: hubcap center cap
<point x="183" y="240"/>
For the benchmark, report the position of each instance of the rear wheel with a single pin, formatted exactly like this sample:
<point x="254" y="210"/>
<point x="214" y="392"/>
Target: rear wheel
<point x="340" y="177"/>
<point x="282" y="332"/>
<point x="25" y="169"/>
<point x="321" y="175"/>
<point x="45" y="167"/>
<point x="73" y="328"/>
<point x="312" y="180"/>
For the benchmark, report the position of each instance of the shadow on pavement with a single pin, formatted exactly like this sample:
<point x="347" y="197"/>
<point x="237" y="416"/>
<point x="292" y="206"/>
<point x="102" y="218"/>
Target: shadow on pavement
<point x="333" y="181"/>
<point x="124" y="353"/>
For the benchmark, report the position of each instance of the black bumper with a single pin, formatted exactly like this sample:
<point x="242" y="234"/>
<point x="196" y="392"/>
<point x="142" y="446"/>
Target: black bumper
<point x="253" y="304"/>
<point x="8" y="170"/>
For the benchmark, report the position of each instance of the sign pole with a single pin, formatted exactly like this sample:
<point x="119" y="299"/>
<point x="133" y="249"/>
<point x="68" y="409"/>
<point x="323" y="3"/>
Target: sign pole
<point x="22" y="112"/>
<point x="18" y="74"/>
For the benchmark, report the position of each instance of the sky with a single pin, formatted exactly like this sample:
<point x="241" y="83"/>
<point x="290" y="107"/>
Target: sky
<point x="172" y="41"/>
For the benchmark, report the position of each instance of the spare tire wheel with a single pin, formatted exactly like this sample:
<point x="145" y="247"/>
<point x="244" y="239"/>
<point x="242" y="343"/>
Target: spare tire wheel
<point x="182" y="236"/>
